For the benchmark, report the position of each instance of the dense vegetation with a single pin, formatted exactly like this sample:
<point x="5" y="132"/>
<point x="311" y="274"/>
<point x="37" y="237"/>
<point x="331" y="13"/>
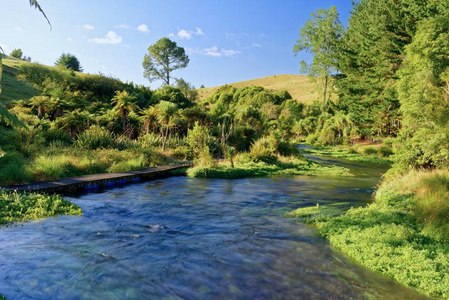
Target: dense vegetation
<point x="392" y="86"/>
<point x="81" y="124"/>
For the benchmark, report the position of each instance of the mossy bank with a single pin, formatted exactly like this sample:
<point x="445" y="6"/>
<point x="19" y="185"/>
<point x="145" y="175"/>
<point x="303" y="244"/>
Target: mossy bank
<point x="403" y="234"/>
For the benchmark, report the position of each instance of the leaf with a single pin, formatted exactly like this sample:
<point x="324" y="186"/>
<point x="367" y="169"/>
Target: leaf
<point x="35" y="4"/>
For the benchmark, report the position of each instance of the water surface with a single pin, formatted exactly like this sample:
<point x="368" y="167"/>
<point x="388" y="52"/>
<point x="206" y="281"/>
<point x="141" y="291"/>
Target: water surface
<point x="184" y="238"/>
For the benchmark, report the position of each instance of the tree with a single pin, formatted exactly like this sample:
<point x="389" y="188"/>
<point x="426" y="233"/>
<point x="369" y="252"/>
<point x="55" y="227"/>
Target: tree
<point x="187" y="89"/>
<point x="321" y="36"/>
<point x="69" y="61"/>
<point x="165" y="114"/>
<point x="424" y="97"/>
<point x="17" y="53"/>
<point x="163" y="58"/>
<point x="125" y="103"/>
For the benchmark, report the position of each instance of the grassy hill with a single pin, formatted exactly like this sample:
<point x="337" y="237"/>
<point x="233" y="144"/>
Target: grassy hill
<point x="298" y="86"/>
<point x="13" y="89"/>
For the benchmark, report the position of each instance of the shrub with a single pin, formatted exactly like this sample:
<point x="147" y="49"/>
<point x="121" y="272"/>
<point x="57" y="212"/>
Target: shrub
<point x="384" y="151"/>
<point x="311" y="138"/>
<point x="370" y="151"/>
<point x="57" y="135"/>
<point x="13" y="169"/>
<point x="136" y="163"/>
<point x="432" y="205"/>
<point x="53" y="167"/>
<point x="264" y="149"/>
<point x="94" y="138"/>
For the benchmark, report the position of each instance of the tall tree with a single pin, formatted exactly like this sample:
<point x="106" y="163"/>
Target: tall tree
<point x="69" y="61"/>
<point x="321" y="36"/>
<point x="164" y="57"/>
<point x="424" y="96"/>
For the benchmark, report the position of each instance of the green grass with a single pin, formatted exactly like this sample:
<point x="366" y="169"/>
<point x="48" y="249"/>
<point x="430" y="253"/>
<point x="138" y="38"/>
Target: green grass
<point x="19" y="207"/>
<point x="404" y="234"/>
<point x="285" y="166"/>
<point x="299" y="87"/>
<point x="13" y="89"/>
<point x="370" y="154"/>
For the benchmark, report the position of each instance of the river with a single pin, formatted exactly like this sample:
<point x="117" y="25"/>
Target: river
<point x="185" y="238"/>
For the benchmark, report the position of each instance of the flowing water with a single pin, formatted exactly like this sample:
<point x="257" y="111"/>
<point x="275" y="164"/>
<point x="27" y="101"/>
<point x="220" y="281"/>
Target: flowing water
<point x="184" y="238"/>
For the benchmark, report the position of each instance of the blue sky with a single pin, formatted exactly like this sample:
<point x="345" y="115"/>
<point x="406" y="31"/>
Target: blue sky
<point x="227" y="41"/>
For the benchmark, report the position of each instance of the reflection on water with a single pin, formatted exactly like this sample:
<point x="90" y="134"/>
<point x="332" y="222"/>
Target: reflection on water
<point x="183" y="238"/>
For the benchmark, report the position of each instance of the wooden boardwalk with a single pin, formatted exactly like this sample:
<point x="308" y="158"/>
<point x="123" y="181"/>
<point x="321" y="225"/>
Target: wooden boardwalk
<point x="97" y="181"/>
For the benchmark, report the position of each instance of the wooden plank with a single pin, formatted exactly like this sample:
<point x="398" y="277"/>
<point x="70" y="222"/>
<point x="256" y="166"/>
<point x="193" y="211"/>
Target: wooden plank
<point x="96" y="181"/>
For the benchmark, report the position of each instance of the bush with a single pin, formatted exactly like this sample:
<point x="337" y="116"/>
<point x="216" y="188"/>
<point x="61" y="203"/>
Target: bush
<point x="53" y="167"/>
<point x="95" y="137"/>
<point x="311" y="138"/>
<point x="264" y="149"/>
<point x="384" y="151"/>
<point x="128" y="165"/>
<point x="432" y="205"/>
<point x="13" y="169"/>
<point x="57" y="135"/>
<point x="370" y="151"/>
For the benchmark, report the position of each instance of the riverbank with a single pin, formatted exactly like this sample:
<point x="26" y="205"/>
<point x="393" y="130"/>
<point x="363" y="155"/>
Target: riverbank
<point x="365" y="154"/>
<point x="20" y="207"/>
<point x="403" y="234"/>
<point x="282" y="166"/>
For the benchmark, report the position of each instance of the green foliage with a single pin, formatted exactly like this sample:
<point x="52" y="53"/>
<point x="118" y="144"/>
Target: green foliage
<point x="351" y="154"/>
<point x="18" y="207"/>
<point x="173" y="95"/>
<point x="423" y="93"/>
<point x="264" y="149"/>
<point x="135" y="163"/>
<point x="321" y="36"/>
<point x="164" y="57"/>
<point x="432" y="205"/>
<point x="69" y="61"/>
<point x="199" y="139"/>
<point x="17" y="53"/>
<point x="403" y="235"/>
<point x="47" y="167"/>
<point x="95" y="138"/>
<point x="13" y="168"/>
<point x="369" y="151"/>
<point x="284" y="166"/>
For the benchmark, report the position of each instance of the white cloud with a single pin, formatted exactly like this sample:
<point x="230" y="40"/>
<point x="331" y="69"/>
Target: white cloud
<point x="122" y="26"/>
<point x="256" y="45"/>
<point x="184" y="34"/>
<point x="18" y="29"/>
<point x="88" y="27"/>
<point x="110" y="38"/>
<point x="188" y="34"/>
<point x="143" y="28"/>
<point x="214" y="51"/>
<point x="199" y="31"/>
<point x="69" y="39"/>
<point x="171" y="35"/>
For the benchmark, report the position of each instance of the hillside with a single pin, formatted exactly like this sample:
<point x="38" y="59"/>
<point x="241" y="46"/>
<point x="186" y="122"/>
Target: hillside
<point x="299" y="86"/>
<point x="13" y="89"/>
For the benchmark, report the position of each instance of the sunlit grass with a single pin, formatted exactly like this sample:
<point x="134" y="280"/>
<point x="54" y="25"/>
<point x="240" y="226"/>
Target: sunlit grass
<point x="243" y="167"/>
<point x="299" y="87"/>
